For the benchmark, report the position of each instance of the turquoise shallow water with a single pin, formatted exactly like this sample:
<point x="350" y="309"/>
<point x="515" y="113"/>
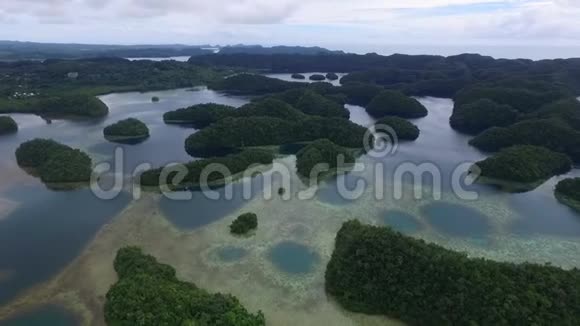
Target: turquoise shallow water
<point x="46" y="230"/>
<point x="293" y="258"/>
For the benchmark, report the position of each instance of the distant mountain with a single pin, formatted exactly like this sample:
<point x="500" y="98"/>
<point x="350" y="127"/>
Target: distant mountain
<point x="14" y="50"/>
<point x="258" y="49"/>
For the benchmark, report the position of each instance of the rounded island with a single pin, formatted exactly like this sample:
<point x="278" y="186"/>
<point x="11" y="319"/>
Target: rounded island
<point x="7" y="126"/>
<point x="317" y="77"/>
<point x="155" y="99"/>
<point x="404" y="129"/>
<point x="128" y="131"/>
<point x="331" y="76"/>
<point x="568" y="192"/>
<point x="397" y="104"/>
<point x="298" y="76"/>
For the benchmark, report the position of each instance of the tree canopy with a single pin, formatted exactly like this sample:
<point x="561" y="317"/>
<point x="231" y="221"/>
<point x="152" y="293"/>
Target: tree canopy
<point x="317" y="77"/>
<point x="8" y="126"/>
<point x="404" y="129"/>
<point x="331" y="76"/>
<point x="231" y="133"/>
<point x="148" y="293"/>
<point x="128" y="129"/>
<point x="234" y="163"/>
<point x="525" y="164"/>
<point x="298" y="76"/>
<point x="250" y="84"/>
<point x="376" y="270"/>
<point x="322" y="151"/>
<point x="244" y="224"/>
<point x="396" y="104"/>
<point x="552" y="134"/>
<point x="54" y="162"/>
<point x="568" y="192"/>
<point x="477" y="116"/>
<point x="200" y="115"/>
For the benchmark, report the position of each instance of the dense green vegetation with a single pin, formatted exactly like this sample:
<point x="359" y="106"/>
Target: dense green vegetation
<point x="8" y="126"/>
<point x="524" y="164"/>
<point x="235" y="163"/>
<point x="231" y="133"/>
<point x="423" y="75"/>
<point x="331" y="76"/>
<point x="203" y="115"/>
<point x="316" y="104"/>
<point x="67" y="88"/>
<point x="376" y="270"/>
<point x="269" y="107"/>
<point x="396" y="104"/>
<point x="566" y="111"/>
<point x="199" y="116"/>
<point x="552" y="134"/>
<point x="244" y="224"/>
<point x="148" y="293"/>
<point x="54" y="162"/>
<point x="317" y="77"/>
<point x="322" y="151"/>
<point x="155" y="99"/>
<point x="298" y="76"/>
<point x="521" y="99"/>
<point x="568" y="192"/>
<point x="404" y="129"/>
<point x="477" y="116"/>
<point x="360" y="94"/>
<point x="250" y="84"/>
<point x="130" y="129"/>
<point x="57" y="106"/>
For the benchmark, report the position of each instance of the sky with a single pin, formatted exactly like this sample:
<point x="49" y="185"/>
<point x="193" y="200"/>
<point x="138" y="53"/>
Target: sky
<point x="362" y="24"/>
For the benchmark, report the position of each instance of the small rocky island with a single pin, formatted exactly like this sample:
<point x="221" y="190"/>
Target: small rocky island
<point x="244" y="224"/>
<point x="128" y="131"/>
<point x="7" y="126"/>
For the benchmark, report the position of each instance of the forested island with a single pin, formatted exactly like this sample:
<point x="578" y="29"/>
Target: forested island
<point x="149" y="293"/>
<point x="8" y="126"/>
<point x="568" y="192"/>
<point x="235" y="163"/>
<point x="317" y="77"/>
<point x="375" y="270"/>
<point x="244" y="224"/>
<point x="298" y="76"/>
<point x="323" y="157"/>
<point x="396" y="104"/>
<point x="524" y="164"/>
<point x="403" y="129"/>
<point x="128" y="131"/>
<point x="54" y="162"/>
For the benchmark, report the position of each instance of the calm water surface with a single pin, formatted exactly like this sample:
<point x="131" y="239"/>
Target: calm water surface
<point x="41" y="231"/>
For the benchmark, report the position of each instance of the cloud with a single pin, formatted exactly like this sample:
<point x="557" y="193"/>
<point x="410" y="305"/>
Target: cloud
<point x="291" y="21"/>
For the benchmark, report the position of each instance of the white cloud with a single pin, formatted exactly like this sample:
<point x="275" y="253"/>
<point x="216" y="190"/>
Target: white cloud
<point x="291" y="21"/>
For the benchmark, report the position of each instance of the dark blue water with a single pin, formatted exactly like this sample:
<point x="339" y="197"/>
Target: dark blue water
<point x="47" y="231"/>
<point x="293" y="258"/>
<point x="542" y="214"/>
<point x="43" y="316"/>
<point x="457" y="220"/>
<point x="401" y="221"/>
<point x="202" y="210"/>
